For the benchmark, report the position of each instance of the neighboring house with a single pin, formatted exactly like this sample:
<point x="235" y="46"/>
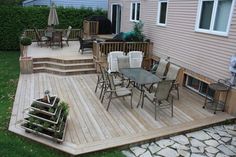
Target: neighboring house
<point x="103" y="4"/>
<point x="196" y="34"/>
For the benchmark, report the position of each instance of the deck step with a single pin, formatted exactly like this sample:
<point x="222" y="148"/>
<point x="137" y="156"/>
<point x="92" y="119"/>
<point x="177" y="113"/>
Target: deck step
<point x="63" y="61"/>
<point x="63" y="66"/>
<point x="64" y="72"/>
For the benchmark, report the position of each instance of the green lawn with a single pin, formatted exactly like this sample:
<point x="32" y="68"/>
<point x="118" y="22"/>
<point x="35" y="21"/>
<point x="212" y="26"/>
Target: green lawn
<point x="12" y="145"/>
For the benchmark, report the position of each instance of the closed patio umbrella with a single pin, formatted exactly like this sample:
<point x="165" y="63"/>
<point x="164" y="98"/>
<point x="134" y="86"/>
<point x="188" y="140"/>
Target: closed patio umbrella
<point x="53" y="18"/>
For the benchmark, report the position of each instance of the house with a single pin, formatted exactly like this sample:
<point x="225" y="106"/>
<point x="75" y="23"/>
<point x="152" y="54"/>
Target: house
<point x="199" y="35"/>
<point x="69" y="3"/>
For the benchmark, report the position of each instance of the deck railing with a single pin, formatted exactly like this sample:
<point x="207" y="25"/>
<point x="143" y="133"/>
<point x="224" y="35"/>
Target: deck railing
<point x="101" y="50"/>
<point x="73" y="34"/>
<point x="90" y="27"/>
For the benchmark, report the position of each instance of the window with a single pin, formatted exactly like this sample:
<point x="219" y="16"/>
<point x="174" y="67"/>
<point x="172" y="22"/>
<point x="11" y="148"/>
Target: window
<point x="135" y="11"/>
<point x="162" y="12"/>
<point x="214" y="16"/>
<point x="197" y="86"/>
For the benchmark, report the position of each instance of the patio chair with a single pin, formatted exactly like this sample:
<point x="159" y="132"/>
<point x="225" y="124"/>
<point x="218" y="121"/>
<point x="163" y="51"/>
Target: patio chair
<point x="116" y="92"/>
<point x="66" y="36"/>
<point x="85" y="43"/>
<point x="172" y="74"/>
<point x="161" y="69"/>
<point x="112" y="60"/>
<point x="57" y="38"/>
<point x="161" y="98"/>
<point x="160" y="72"/>
<point x="40" y="39"/>
<point x="135" y="59"/>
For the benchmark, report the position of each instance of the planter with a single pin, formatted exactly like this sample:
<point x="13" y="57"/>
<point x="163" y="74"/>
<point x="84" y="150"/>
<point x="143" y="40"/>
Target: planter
<point x="47" y="134"/>
<point x="53" y="99"/>
<point x="47" y="119"/>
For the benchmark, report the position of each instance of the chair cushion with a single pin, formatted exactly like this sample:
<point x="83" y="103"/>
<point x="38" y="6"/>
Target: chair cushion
<point x="123" y="91"/>
<point x="44" y="38"/>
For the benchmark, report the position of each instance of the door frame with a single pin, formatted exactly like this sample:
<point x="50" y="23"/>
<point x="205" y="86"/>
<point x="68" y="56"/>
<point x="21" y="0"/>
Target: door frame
<point x="112" y="4"/>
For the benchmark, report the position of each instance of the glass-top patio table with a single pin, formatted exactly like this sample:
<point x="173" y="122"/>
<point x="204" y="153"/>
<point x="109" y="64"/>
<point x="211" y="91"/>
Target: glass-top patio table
<point x="141" y="77"/>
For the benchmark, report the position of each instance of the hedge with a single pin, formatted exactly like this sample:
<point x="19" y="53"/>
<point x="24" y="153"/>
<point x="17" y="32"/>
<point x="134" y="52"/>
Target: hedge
<point x="15" y="19"/>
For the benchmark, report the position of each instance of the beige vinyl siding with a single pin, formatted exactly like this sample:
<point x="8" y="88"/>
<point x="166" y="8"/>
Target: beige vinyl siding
<point x="202" y="53"/>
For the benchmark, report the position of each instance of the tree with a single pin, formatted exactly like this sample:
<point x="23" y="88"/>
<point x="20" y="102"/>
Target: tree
<point x="11" y="2"/>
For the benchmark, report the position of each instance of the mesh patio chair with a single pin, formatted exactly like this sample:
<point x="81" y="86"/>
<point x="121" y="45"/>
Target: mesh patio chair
<point x="161" y="69"/>
<point x="40" y="39"/>
<point x="135" y="59"/>
<point x="112" y="60"/>
<point x="57" y="38"/>
<point x="172" y="74"/>
<point x="117" y="92"/>
<point x="160" y="72"/>
<point x="66" y="37"/>
<point x="162" y="98"/>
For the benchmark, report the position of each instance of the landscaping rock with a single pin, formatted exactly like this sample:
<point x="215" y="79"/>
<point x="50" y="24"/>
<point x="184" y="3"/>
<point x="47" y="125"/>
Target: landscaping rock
<point x="225" y="139"/>
<point x="164" y="143"/>
<point x="213" y="143"/>
<point x="198" y="155"/>
<point x="145" y="145"/>
<point x="210" y="130"/>
<point x="233" y="142"/>
<point x="153" y="148"/>
<point x="223" y="133"/>
<point x="215" y="136"/>
<point x="137" y="150"/>
<point x="210" y="155"/>
<point x="168" y="152"/>
<point x="199" y="135"/>
<point x="221" y="155"/>
<point x="180" y="139"/>
<point x="146" y="154"/>
<point x="197" y="143"/>
<point x="233" y="148"/>
<point x="128" y="153"/>
<point x="183" y="153"/>
<point x="231" y="132"/>
<point x="179" y="146"/>
<point x="211" y="150"/>
<point x="195" y="150"/>
<point x="226" y="150"/>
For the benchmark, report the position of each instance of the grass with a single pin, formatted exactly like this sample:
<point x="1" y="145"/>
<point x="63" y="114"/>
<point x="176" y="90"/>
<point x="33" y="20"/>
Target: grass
<point x="12" y="145"/>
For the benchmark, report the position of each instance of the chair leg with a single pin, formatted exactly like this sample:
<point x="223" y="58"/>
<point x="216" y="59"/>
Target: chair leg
<point x="155" y="111"/>
<point x="109" y="102"/>
<point x="172" y="106"/>
<point x="104" y="92"/>
<point x="177" y="92"/>
<point x="67" y="42"/>
<point x="97" y="84"/>
<point x="131" y="100"/>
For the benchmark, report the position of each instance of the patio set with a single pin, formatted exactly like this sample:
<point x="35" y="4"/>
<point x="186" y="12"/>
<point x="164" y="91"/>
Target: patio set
<point x="52" y="37"/>
<point x="125" y="72"/>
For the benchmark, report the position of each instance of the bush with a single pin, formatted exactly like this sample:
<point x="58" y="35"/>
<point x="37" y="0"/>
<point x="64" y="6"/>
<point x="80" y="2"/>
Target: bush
<point x="26" y="41"/>
<point x="15" y="19"/>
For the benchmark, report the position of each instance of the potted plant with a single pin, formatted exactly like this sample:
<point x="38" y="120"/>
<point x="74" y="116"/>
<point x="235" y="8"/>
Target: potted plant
<point x="25" y="42"/>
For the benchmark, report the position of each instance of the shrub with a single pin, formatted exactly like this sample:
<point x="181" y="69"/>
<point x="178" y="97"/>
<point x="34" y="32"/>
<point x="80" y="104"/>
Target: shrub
<point x="26" y="41"/>
<point x="15" y="19"/>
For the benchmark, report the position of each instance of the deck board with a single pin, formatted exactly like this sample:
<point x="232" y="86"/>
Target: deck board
<point x="92" y="128"/>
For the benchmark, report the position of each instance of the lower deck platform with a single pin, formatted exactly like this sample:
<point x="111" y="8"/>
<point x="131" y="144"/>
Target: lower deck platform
<point x="91" y="128"/>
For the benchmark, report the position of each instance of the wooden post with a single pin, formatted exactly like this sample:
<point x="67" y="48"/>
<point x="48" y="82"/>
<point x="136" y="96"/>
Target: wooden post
<point x="26" y="65"/>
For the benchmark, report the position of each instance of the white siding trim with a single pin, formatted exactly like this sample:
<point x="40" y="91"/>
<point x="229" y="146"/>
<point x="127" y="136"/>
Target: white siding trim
<point x="211" y="30"/>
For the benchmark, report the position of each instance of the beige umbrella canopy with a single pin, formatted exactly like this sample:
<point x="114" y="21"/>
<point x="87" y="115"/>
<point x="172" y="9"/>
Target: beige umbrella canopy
<point x="53" y="18"/>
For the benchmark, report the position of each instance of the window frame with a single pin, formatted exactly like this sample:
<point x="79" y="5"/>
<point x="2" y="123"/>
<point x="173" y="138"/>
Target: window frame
<point x="213" y="19"/>
<point x="135" y="11"/>
<point x="159" y="11"/>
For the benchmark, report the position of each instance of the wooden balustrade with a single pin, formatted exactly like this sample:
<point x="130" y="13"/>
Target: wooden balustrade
<point x="90" y="27"/>
<point x="73" y="34"/>
<point x="101" y="50"/>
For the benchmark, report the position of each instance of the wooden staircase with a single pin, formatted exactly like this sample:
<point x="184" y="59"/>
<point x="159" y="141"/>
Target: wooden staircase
<point x="63" y="67"/>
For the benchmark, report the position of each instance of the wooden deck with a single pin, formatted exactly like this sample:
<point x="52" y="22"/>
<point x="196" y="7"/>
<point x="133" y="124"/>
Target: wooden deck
<point x="92" y="128"/>
<point x="67" y="52"/>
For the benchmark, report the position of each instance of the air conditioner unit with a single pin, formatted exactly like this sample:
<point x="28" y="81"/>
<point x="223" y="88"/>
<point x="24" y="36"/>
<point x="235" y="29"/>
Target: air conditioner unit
<point x="232" y="69"/>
